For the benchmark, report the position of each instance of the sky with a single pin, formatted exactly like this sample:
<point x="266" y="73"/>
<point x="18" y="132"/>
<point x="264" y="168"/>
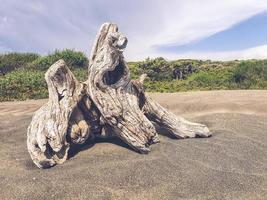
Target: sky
<point x="173" y="29"/>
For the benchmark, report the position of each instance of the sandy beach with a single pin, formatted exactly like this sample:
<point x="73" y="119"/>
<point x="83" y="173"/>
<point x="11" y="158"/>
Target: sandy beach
<point x="232" y="164"/>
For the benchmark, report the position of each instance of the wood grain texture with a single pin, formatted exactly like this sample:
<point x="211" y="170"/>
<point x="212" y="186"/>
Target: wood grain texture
<point x="108" y="104"/>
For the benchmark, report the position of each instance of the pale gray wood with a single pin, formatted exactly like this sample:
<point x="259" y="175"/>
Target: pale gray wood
<point x="176" y="125"/>
<point x="116" y="99"/>
<point x="108" y="104"/>
<point x="60" y="116"/>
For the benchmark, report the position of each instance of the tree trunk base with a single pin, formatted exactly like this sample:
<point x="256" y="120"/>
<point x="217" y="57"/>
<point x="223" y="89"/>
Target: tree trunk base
<point x="108" y="104"/>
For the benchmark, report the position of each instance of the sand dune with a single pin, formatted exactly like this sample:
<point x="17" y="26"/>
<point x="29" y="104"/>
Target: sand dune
<point x="230" y="165"/>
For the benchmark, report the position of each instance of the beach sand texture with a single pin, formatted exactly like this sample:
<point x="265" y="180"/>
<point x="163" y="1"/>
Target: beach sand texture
<point x="232" y="164"/>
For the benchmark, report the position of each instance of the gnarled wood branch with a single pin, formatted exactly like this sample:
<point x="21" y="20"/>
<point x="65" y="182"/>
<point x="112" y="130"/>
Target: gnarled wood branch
<point x="109" y="103"/>
<point x="69" y="112"/>
<point x="111" y="90"/>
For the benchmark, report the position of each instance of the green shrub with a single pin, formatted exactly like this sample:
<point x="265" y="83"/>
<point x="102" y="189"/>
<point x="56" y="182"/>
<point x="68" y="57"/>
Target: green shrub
<point x="74" y="59"/>
<point x="22" y="84"/>
<point x="12" y="61"/>
<point x="167" y="86"/>
<point x="156" y="69"/>
<point x="220" y="79"/>
<point x="28" y="84"/>
<point x="161" y="70"/>
<point x="251" y="74"/>
<point x="80" y="74"/>
<point x="26" y="81"/>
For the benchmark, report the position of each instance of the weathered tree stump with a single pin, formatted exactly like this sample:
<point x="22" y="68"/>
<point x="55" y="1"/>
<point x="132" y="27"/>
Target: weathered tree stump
<point x="108" y="104"/>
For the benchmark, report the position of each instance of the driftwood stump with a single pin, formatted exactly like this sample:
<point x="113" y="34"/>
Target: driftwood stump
<point x="108" y="104"/>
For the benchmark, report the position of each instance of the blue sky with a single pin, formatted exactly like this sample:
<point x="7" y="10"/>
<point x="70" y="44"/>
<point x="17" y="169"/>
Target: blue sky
<point x="249" y="33"/>
<point x="206" y="29"/>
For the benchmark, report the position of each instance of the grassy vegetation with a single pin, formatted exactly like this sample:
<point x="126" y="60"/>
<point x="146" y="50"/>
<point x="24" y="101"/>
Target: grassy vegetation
<point x="28" y="84"/>
<point x="72" y="58"/>
<point x="13" y="61"/>
<point x="22" y="74"/>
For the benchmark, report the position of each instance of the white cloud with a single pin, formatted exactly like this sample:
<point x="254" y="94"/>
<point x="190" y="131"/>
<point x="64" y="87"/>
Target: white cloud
<point x="187" y="21"/>
<point x="43" y="26"/>
<point x="3" y="22"/>
<point x="259" y="52"/>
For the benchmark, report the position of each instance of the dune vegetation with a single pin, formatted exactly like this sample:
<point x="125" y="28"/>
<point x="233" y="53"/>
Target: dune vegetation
<point x="22" y="74"/>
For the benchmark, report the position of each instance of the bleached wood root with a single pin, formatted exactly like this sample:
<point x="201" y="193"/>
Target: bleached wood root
<point x="177" y="126"/>
<point x="60" y="116"/>
<point x="108" y="104"/>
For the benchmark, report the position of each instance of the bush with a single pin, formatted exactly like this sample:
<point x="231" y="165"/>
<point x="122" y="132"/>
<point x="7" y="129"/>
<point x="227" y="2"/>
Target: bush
<point x="251" y="74"/>
<point x="73" y="59"/>
<point x="23" y="85"/>
<point x="26" y="81"/>
<point x="161" y="70"/>
<point x="156" y="69"/>
<point x="220" y="79"/>
<point x="12" y="61"/>
<point x="80" y="74"/>
<point x="28" y="84"/>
